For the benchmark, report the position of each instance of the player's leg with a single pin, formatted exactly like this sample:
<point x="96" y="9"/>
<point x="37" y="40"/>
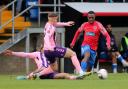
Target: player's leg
<point x="64" y="52"/>
<point x="54" y="66"/>
<point x="62" y="76"/>
<point x="114" y="62"/>
<point x="121" y="59"/>
<point x="85" y="51"/>
<point x="92" y="59"/>
<point x="44" y="71"/>
<point x="48" y="76"/>
<point x="66" y="76"/>
<point x="95" y="70"/>
<point x="71" y="54"/>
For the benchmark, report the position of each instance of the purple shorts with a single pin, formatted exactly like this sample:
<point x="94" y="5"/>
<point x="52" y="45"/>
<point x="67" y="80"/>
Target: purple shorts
<point x="48" y="76"/>
<point x="58" y="52"/>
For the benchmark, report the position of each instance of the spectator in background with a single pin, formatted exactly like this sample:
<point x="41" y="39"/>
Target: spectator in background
<point x="112" y="54"/>
<point x="124" y="49"/>
<point x="124" y="46"/>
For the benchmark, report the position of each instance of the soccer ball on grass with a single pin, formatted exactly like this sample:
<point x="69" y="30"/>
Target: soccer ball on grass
<point x="102" y="74"/>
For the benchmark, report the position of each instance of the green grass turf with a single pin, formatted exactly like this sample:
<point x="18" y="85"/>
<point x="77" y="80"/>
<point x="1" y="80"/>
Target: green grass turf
<point x="114" y="81"/>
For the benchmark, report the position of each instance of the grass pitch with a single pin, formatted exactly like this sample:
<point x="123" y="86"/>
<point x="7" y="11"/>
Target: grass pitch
<point x="114" y="81"/>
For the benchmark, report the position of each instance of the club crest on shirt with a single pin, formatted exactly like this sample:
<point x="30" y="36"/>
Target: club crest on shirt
<point x="94" y="27"/>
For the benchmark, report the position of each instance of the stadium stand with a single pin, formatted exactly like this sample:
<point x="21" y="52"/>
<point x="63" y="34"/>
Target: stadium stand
<point x="20" y="24"/>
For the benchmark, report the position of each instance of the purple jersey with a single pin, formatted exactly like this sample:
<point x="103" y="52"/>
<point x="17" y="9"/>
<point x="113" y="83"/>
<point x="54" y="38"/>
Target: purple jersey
<point x="38" y="57"/>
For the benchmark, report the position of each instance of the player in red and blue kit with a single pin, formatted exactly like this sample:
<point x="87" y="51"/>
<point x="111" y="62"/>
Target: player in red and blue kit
<point x="92" y="30"/>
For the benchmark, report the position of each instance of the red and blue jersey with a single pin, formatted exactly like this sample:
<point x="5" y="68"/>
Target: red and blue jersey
<point x="91" y="34"/>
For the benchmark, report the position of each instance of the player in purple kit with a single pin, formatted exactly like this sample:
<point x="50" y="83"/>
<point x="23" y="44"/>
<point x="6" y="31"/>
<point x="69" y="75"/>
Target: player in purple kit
<point x="44" y="70"/>
<point x="39" y="58"/>
<point x="51" y="51"/>
<point x="56" y="75"/>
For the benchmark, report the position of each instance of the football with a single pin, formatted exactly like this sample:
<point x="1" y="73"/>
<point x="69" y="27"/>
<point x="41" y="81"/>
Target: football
<point x="102" y="74"/>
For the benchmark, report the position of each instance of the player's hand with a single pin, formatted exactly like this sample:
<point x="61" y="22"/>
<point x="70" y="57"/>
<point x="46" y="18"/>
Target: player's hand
<point x="7" y="52"/>
<point x="71" y="45"/>
<point x="70" y="23"/>
<point x="31" y="76"/>
<point x="109" y="48"/>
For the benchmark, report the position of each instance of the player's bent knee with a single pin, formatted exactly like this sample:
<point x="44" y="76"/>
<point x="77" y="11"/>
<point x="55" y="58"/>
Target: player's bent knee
<point x="73" y="54"/>
<point x="70" y="54"/>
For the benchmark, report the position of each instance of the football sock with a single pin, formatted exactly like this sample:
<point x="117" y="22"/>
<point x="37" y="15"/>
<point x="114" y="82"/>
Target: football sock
<point x="120" y="58"/>
<point x="76" y="63"/>
<point x="114" y="67"/>
<point x="84" y="66"/>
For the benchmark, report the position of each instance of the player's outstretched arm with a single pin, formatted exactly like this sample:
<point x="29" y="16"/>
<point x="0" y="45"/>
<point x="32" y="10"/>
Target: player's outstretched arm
<point x="70" y="23"/>
<point x="61" y="24"/>
<point x="7" y="53"/>
<point x="19" y="54"/>
<point x="80" y="29"/>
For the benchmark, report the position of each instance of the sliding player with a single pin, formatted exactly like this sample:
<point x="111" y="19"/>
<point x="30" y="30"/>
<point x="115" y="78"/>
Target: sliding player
<point x="44" y="70"/>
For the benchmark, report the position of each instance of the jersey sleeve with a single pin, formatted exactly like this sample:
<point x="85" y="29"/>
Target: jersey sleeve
<point x="80" y="29"/>
<point x="24" y="55"/>
<point x="61" y="24"/>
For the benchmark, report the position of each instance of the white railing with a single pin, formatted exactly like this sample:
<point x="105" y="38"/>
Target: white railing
<point x="56" y="7"/>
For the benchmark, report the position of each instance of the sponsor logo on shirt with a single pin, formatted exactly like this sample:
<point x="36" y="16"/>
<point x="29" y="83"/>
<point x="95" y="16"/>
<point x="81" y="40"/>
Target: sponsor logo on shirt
<point x="90" y="34"/>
